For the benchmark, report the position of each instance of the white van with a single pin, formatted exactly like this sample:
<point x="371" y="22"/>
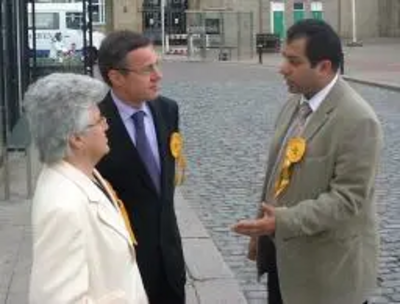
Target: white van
<point x="59" y="28"/>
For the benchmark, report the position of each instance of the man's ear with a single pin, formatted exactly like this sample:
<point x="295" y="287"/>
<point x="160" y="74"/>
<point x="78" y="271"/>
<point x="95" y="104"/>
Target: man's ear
<point x="325" y="67"/>
<point x="115" y="78"/>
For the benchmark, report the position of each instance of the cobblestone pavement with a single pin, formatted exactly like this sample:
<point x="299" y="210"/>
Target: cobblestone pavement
<point x="227" y="115"/>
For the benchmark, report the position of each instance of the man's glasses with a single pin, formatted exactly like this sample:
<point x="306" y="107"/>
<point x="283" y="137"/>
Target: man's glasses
<point x="147" y="70"/>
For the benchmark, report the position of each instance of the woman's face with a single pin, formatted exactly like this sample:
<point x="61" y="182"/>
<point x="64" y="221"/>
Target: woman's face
<point x="96" y="142"/>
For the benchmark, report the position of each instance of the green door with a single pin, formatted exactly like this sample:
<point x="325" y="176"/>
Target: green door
<point x="279" y="25"/>
<point x="317" y="15"/>
<point x="298" y="15"/>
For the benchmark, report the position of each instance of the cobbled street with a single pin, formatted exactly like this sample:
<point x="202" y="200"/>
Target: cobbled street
<point x="227" y="117"/>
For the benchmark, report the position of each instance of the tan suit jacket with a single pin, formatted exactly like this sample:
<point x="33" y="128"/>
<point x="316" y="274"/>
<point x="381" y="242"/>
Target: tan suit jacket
<point x="326" y="229"/>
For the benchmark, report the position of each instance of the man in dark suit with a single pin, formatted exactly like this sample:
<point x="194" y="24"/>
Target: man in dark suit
<point x="140" y="165"/>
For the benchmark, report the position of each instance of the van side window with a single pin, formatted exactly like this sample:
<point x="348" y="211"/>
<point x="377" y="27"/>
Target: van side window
<point x="45" y="21"/>
<point x="73" y="21"/>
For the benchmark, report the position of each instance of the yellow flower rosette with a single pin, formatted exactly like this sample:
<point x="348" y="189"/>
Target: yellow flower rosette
<point x="176" y="147"/>
<point x="295" y="149"/>
<point x="176" y="144"/>
<point x="294" y="153"/>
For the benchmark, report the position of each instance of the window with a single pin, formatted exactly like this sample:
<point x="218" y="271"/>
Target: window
<point x="176" y="22"/>
<point x="73" y="21"/>
<point x="299" y="6"/>
<point x="151" y="3"/>
<point x="45" y="21"/>
<point x="212" y="26"/>
<point x="152" y="20"/>
<point x="98" y="11"/>
<point x="176" y="3"/>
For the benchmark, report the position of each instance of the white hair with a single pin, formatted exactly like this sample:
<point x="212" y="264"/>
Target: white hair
<point x="57" y="106"/>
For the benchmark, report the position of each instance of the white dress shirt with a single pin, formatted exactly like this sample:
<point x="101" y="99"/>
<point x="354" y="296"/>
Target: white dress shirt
<point x="318" y="98"/>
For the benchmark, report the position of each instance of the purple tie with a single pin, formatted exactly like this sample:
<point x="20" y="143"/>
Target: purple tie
<point x="143" y="147"/>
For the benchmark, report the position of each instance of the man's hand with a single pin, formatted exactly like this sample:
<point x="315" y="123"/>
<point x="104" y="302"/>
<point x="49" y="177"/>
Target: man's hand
<point x="252" y="251"/>
<point x="261" y="226"/>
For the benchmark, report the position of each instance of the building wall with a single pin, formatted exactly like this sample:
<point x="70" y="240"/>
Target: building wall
<point x="389" y="18"/>
<point x="336" y="12"/>
<point x="217" y="4"/>
<point x="331" y="13"/>
<point x="261" y="13"/>
<point x="366" y="17"/>
<point x="260" y="16"/>
<point x="261" y="10"/>
<point x="126" y="14"/>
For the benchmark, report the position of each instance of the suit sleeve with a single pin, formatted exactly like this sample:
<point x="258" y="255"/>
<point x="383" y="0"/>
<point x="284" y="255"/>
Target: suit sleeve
<point x="177" y="117"/>
<point x="351" y="186"/>
<point x="173" y="113"/>
<point x="60" y="270"/>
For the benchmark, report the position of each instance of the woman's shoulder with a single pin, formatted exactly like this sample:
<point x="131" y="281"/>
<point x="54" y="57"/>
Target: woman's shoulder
<point x="54" y="190"/>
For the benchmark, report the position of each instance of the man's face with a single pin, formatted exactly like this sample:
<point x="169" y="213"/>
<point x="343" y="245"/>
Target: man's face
<point x="300" y="77"/>
<point x="140" y="79"/>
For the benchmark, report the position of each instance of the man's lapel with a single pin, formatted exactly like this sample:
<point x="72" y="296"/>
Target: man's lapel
<point x="162" y="136"/>
<point x="282" y="126"/>
<point x="320" y="117"/>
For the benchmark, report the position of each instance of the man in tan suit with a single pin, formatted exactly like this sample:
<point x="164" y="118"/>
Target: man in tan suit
<point x="316" y="234"/>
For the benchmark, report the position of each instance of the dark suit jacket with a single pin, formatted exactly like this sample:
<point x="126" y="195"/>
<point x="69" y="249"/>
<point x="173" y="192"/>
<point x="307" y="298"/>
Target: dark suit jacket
<point x="152" y="215"/>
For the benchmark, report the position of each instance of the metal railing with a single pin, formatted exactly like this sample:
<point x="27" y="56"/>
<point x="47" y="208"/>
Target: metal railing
<point x="20" y="66"/>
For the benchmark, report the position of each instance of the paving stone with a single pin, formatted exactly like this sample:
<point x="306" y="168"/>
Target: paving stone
<point x="191" y="297"/>
<point x="204" y="261"/>
<point x="219" y="292"/>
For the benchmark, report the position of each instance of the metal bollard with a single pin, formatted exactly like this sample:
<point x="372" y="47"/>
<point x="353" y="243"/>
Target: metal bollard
<point x="260" y="54"/>
<point x="342" y="64"/>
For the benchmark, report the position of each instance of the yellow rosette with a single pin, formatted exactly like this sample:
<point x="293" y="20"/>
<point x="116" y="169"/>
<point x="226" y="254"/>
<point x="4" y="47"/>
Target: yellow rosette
<point x="124" y="213"/>
<point x="176" y="144"/>
<point x="295" y="150"/>
<point x="176" y="147"/>
<point x="180" y="174"/>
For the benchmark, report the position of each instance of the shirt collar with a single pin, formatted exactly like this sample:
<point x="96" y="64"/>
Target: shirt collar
<point x="126" y="111"/>
<point x="318" y="98"/>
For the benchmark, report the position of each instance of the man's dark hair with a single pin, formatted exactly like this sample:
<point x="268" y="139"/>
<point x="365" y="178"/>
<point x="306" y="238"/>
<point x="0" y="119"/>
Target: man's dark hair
<point x="114" y="49"/>
<point x="322" y="42"/>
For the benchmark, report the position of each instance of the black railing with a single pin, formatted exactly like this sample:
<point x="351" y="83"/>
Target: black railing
<point x="81" y="62"/>
<point x="175" y="18"/>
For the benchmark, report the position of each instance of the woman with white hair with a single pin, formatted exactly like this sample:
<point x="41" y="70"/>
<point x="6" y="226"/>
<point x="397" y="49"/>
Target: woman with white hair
<point x="83" y="244"/>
